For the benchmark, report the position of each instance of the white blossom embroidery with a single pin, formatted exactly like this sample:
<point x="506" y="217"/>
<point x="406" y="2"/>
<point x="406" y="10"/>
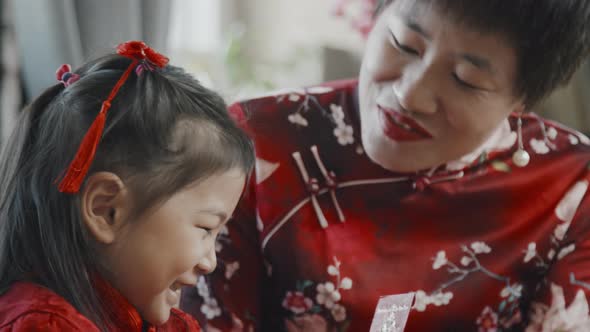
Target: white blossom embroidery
<point x="422" y="300"/>
<point x="344" y="134"/>
<point x="531" y="252"/>
<point x="327" y="295"/>
<point x="573" y="139"/>
<point x="337" y="114"/>
<point x="558" y="317"/>
<point x="512" y="290"/>
<point x="440" y="260"/>
<point x="359" y="149"/>
<point x="560" y="231"/>
<point x="567" y="207"/>
<point x="346" y="283"/>
<point x="298" y="119"/>
<point x="539" y="146"/>
<point x="439" y="299"/>
<point x="338" y="312"/>
<point x="551" y="133"/>
<point x="566" y="251"/>
<point x="565" y="211"/>
<point x="465" y="261"/>
<point x="230" y="269"/>
<point x="209" y="308"/>
<point x="480" y="248"/>
<point x="218" y="246"/>
<point x="264" y="169"/>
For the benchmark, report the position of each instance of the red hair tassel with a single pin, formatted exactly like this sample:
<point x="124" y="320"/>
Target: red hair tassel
<point x="78" y="168"/>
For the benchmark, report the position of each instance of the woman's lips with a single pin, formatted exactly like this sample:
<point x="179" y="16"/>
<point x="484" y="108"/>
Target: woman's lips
<point x="399" y="127"/>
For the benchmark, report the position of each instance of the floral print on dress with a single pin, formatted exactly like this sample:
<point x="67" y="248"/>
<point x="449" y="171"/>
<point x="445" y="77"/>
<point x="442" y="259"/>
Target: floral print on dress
<point x="567" y="207"/>
<point x="343" y="132"/>
<point x="539" y="146"/>
<point x="326" y="313"/>
<point x="264" y="169"/>
<point x="487" y="321"/>
<point x="297" y="303"/>
<point x="506" y="315"/>
<point x="559" y="317"/>
<point x="223" y="239"/>
<point x="565" y="212"/>
<point x="231" y="269"/>
<point x="552" y="133"/>
<point x="210" y="308"/>
<point x="298" y="119"/>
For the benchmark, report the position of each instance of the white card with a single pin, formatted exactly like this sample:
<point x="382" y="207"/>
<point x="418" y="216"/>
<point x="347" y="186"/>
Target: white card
<point x="391" y="314"/>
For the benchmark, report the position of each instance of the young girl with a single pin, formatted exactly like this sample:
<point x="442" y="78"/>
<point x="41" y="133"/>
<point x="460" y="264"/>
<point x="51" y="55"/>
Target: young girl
<point x="115" y="185"/>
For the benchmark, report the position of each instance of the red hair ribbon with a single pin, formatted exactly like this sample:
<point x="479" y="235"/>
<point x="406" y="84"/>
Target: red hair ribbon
<point x="138" y="51"/>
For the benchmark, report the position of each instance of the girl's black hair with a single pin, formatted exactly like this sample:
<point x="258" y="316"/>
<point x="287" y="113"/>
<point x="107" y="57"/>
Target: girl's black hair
<point x="164" y="131"/>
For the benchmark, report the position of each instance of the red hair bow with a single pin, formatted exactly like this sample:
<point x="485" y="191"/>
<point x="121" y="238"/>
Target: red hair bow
<point x="138" y="50"/>
<point x="74" y="176"/>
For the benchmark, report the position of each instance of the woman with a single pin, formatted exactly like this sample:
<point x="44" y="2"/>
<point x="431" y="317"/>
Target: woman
<point x="426" y="177"/>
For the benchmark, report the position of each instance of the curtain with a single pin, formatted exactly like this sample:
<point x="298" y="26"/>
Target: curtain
<point x="53" y="32"/>
<point x="10" y="88"/>
<point x="570" y="105"/>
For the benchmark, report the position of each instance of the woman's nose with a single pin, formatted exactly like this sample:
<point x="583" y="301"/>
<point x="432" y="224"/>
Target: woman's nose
<point x="415" y="92"/>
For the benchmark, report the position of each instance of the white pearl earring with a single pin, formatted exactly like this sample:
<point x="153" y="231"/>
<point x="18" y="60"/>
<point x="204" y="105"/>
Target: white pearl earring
<point x="520" y="157"/>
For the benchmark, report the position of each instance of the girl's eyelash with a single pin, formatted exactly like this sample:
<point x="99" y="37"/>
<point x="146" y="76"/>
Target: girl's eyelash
<point x="208" y="230"/>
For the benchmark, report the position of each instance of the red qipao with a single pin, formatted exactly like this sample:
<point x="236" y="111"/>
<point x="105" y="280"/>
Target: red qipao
<point x="27" y="307"/>
<point x="324" y="232"/>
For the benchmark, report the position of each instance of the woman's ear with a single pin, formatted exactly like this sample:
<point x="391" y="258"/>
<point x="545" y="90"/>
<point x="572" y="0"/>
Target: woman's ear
<point x="520" y="108"/>
<point x="104" y="205"/>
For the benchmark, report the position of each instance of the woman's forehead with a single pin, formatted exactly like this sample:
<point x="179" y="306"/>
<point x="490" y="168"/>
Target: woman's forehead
<point x="487" y="50"/>
<point x="448" y="14"/>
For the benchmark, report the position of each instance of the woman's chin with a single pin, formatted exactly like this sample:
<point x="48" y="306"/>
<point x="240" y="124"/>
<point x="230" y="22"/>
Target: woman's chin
<point x="392" y="159"/>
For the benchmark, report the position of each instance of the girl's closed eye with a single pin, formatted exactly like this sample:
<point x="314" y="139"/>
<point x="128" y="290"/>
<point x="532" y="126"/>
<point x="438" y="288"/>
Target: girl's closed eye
<point x="207" y="229"/>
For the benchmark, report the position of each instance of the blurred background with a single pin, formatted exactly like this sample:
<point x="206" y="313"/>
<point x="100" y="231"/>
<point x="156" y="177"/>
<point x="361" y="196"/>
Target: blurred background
<point x="242" y="48"/>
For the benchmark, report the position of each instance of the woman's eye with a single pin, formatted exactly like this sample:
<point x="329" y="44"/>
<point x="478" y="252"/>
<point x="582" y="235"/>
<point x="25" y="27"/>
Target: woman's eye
<point x="402" y="47"/>
<point x="463" y="83"/>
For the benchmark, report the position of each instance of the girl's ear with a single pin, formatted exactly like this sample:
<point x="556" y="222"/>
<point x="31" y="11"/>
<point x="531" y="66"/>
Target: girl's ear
<point x="104" y="206"/>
